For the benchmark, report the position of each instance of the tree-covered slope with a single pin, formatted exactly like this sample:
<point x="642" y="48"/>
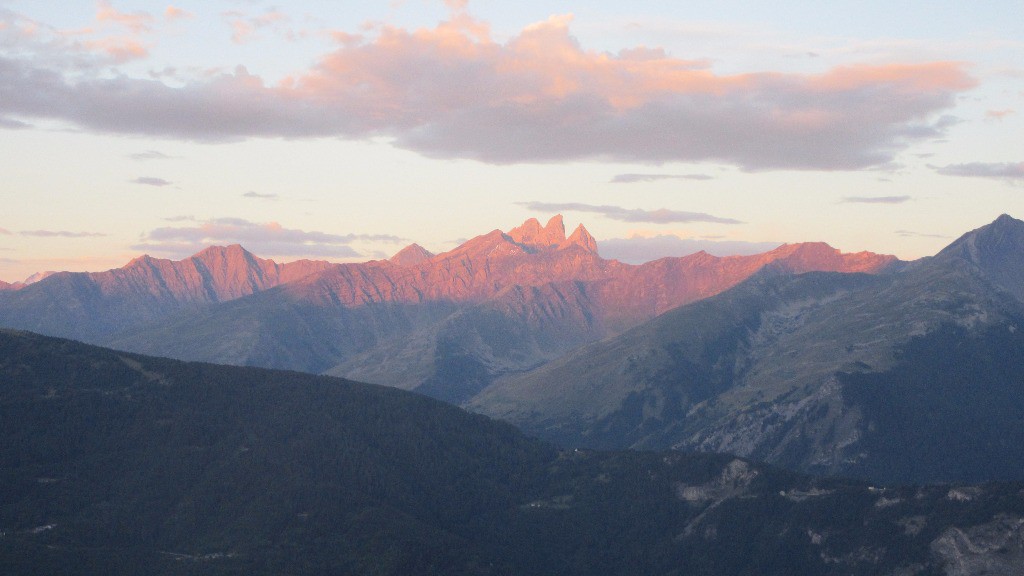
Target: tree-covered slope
<point x="114" y="463"/>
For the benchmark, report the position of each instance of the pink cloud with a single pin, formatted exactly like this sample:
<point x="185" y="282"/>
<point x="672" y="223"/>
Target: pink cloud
<point x="118" y="49"/>
<point x="175" y="13"/>
<point x="266" y="238"/>
<point x="644" y="247"/>
<point x="60" y="234"/>
<point x="659" y="216"/>
<point x="998" y="114"/>
<point x="137" y="22"/>
<point x="453" y="91"/>
<point x="244" y="28"/>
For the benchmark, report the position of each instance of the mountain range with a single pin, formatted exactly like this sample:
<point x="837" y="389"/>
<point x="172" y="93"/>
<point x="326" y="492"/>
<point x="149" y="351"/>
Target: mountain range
<point x="444" y="324"/>
<point x="913" y="376"/>
<point x="827" y="363"/>
<point x="115" y="463"/>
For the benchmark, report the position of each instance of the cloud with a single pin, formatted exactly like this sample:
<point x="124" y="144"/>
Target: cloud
<point x="151" y="181"/>
<point x="119" y="50"/>
<point x="175" y="13"/>
<point x="454" y="92"/>
<point x="632" y="178"/>
<point x="639" y="249"/>
<point x="150" y="155"/>
<point x="5" y="232"/>
<point x="875" y="199"/>
<point x="60" y="234"/>
<point x="1004" y="170"/>
<point x="912" y="234"/>
<point x="31" y="267"/>
<point x="998" y="114"/>
<point x="244" y="28"/>
<point x="660" y="216"/>
<point x="266" y="238"/>
<point x="136" y="22"/>
<point x="259" y="196"/>
<point x="10" y="124"/>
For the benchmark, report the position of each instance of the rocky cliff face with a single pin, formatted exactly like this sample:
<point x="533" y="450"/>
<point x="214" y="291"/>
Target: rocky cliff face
<point x="877" y="376"/>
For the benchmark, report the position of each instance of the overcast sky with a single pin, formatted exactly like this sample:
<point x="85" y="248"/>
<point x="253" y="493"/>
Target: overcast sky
<point x="344" y="130"/>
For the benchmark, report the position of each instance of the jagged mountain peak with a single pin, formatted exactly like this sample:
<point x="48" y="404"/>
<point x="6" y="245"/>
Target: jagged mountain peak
<point x="996" y="250"/>
<point x="807" y="248"/>
<point x="531" y="234"/>
<point x="220" y="256"/>
<point x="231" y="251"/>
<point x="582" y="238"/>
<point x="1004" y="234"/>
<point x="526" y="231"/>
<point x="37" y="277"/>
<point x="555" y="226"/>
<point x="808" y="256"/>
<point x="139" y="260"/>
<point x="493" y="243"/>
<point x="411" y="255"/>
<point x="1007" y="219"/>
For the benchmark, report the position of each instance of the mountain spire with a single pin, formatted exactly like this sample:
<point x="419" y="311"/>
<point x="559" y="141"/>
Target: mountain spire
<point x="411" y="255"/>
<point x="531" y="234"/>
<point x="580" y="237"/>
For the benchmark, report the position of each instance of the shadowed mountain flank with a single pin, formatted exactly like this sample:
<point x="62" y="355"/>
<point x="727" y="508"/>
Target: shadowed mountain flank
<point x="913" y="376"/>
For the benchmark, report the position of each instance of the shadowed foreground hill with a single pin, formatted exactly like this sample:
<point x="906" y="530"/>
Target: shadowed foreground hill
<point x="113" y="463"/>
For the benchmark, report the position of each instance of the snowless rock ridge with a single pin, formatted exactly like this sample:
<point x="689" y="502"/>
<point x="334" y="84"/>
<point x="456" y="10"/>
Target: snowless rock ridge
<point x="411" y="255"/>
<point x="552" y="236"/>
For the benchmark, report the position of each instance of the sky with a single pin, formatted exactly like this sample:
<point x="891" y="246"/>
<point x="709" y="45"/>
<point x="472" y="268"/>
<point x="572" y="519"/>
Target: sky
<point x="345" y="131"/>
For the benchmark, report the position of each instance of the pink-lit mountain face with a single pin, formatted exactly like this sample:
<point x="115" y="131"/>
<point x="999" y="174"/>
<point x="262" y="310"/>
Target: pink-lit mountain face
<point x="499" y="302"/>
<point x="92" y="306"/>
<point x="913" y="376"/>
<point x="533" y="256"/>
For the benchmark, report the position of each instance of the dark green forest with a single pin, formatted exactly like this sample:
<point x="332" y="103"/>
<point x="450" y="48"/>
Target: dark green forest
<point x="113" y="463"/>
